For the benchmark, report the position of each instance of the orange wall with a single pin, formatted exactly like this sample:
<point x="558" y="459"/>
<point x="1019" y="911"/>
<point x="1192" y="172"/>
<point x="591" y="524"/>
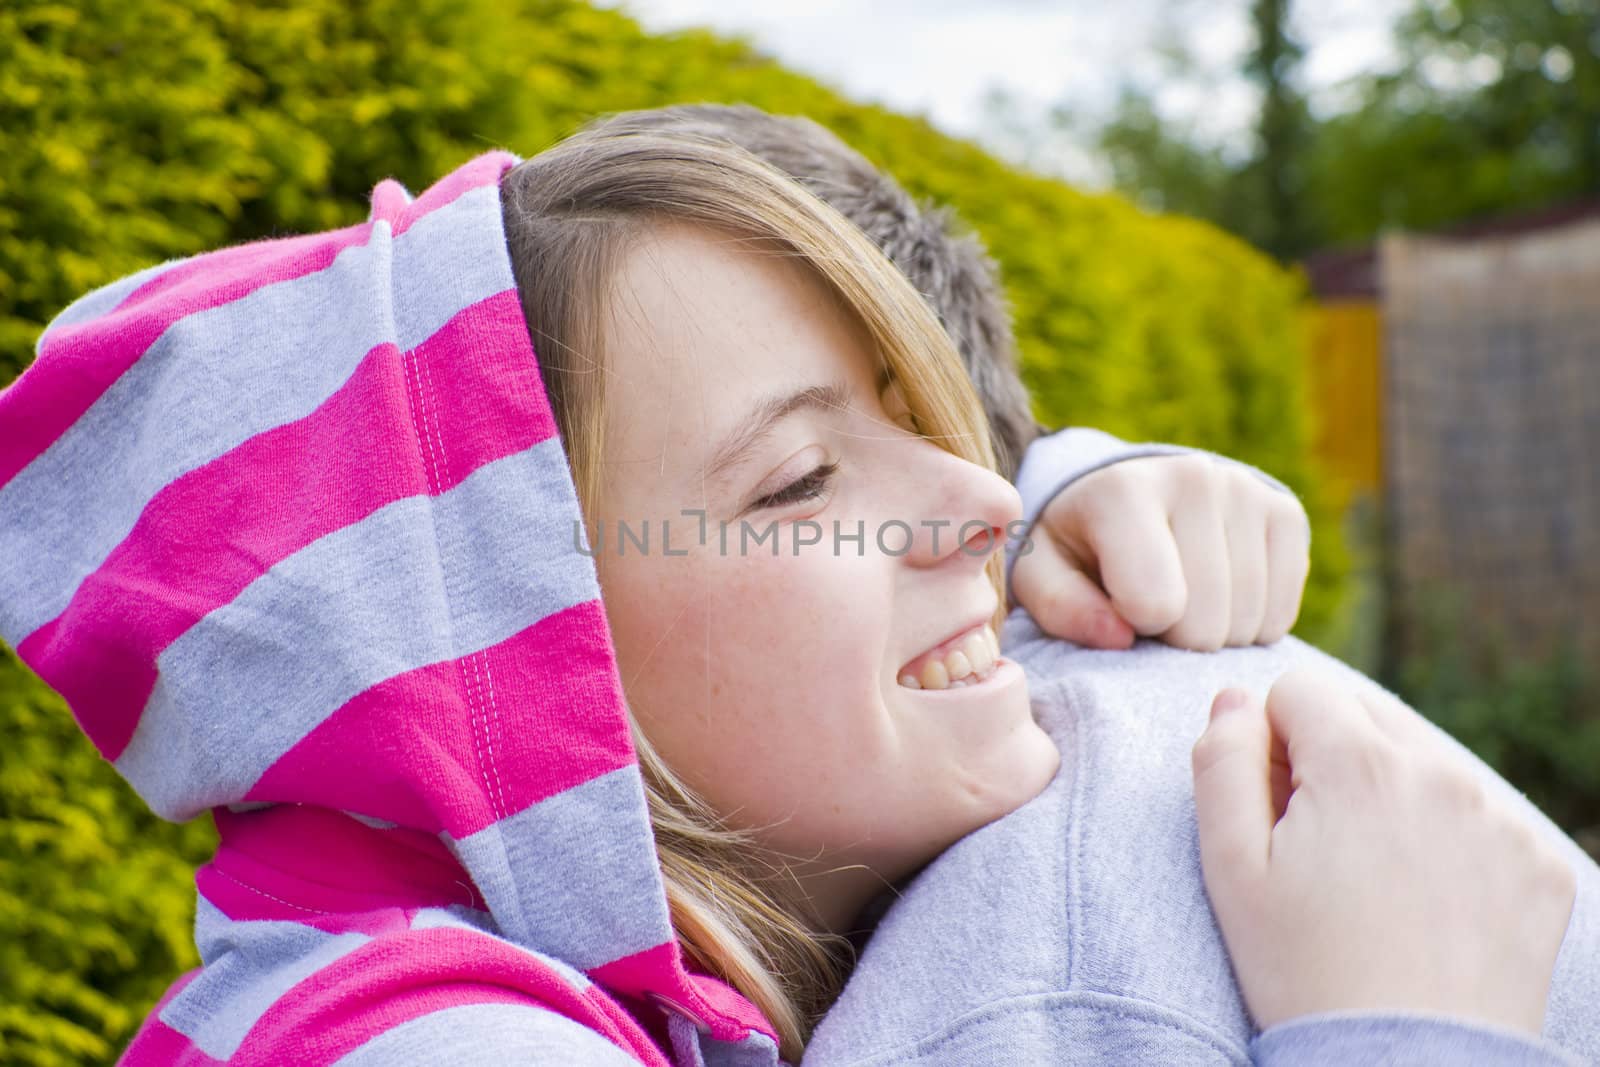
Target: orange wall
<point x="1343" y="387"/>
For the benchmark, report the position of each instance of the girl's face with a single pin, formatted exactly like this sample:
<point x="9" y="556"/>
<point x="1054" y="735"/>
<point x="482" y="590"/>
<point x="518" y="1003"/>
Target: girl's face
<point x="765" y="658"/>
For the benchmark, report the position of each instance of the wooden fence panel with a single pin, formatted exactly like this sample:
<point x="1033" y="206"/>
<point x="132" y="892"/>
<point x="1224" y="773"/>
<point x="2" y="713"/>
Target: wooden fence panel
<point x="1492" y="430"/>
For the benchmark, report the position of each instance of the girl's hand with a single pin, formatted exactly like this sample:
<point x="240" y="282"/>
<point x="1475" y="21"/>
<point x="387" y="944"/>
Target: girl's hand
<point x="1194" y="551"/>
<point x="1355" y="863"/>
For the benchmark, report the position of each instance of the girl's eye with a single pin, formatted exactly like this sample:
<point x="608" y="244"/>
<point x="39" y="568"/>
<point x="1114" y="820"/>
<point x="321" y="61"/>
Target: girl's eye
<point x="806" y="487"/>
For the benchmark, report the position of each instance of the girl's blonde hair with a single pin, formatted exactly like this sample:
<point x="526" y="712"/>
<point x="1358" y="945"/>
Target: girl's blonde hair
<point x="570" y="214"/>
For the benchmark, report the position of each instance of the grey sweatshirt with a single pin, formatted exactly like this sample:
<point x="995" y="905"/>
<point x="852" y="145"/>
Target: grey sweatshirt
<point x="1077" y="928"/>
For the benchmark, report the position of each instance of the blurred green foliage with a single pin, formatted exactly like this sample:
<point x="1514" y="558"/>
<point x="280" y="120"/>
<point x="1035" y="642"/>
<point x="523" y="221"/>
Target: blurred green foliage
<point x="134" y="131"/>
<point x="1492" y="108"/>
<point x="96" y="893"/>
<point x="1535" y="719"/>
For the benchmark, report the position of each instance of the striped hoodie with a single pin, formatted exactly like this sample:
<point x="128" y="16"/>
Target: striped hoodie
<point x="290" y="528"/>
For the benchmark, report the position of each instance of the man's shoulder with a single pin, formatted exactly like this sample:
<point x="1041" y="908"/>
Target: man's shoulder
<point x="1093" y="885"/>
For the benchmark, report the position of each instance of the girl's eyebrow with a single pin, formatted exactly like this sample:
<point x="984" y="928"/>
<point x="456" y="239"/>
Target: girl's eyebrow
<point x="766" y="414"/>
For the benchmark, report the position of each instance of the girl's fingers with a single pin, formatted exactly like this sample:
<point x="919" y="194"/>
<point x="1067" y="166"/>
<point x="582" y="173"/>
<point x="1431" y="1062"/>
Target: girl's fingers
<point x="1125" y="528"/>
<point x="1197" y="527"/>
<point x="1233" y="790"/>
<point x="1065" y="601"/>
<point x="1288" y="565"/>
<point x="1246" y="533"/>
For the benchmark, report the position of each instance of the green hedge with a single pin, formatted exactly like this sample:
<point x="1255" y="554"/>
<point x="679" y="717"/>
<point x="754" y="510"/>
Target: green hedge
<point x="1534" y="718"/>
<point x="133" y="131"/>
<point x="96" y="893"/>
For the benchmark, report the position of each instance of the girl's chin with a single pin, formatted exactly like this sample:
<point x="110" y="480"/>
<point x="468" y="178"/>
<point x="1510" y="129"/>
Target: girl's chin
<point x="987" y="730"/>
<point x="1011" y="779"/>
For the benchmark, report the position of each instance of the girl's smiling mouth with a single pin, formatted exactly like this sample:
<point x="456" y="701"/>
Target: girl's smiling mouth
<point x="968" y="658"/>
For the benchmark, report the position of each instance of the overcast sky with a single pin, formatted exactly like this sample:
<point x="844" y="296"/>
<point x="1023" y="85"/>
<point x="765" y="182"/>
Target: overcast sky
<point x="940" y="57"/>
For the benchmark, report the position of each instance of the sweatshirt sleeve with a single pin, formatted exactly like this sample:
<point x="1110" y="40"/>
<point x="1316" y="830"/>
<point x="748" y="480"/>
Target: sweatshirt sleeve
<point x="1092" y="1027"/>
<point x="1054" y="462"/>
<point x="1400" y="1040"/>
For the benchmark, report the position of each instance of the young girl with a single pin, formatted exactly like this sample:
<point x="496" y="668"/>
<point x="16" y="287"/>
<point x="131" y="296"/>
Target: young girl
<point x="291" y="527"/>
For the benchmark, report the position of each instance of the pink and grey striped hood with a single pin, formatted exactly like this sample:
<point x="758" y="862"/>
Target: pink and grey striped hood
<point x="290" y="527"/>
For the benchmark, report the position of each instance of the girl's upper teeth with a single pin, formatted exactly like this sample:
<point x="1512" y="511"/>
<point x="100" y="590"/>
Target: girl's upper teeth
<point x="970" y="657"/>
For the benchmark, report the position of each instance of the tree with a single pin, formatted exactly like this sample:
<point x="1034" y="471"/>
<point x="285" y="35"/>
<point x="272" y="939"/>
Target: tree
<point x="1494" y="109"/>
<point x="1162" y="170"/>
<point x="1260" y="195"/>
<point x="1275" y="177"/>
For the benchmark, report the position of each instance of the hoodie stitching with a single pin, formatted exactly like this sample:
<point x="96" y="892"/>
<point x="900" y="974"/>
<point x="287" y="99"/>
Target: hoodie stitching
<point x="264" y="893"/>
<point x="414" y="371"/>
<point x="489" y="766"/>
<point x="480" y="660"/>
<point x="480" y="667"/>
<point x="490" y="728"/>
<point x="437" y="462"/>
<point x="469" y="676"/>
<point x="1075" y="816"/>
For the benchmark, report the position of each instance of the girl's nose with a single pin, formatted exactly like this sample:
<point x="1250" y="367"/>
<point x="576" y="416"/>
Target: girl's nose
<point x="964" y="511"/>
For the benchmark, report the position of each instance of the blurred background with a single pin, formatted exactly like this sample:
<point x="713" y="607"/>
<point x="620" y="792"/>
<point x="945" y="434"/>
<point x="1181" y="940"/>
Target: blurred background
<point x="1357" y="245"/>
